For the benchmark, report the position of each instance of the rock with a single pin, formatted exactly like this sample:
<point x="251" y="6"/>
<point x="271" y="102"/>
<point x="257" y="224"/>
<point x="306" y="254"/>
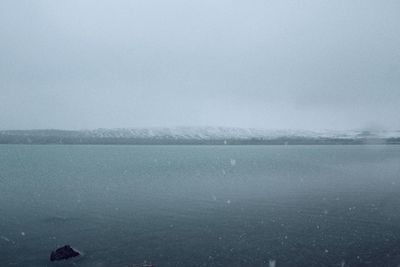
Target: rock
<point x="63" y="253"/>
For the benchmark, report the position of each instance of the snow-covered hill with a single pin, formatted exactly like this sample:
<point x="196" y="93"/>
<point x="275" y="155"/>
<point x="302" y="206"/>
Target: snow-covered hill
<point x="186" y="134"/>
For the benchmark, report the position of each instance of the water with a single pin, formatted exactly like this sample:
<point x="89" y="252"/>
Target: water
<point x="201" y="205"/>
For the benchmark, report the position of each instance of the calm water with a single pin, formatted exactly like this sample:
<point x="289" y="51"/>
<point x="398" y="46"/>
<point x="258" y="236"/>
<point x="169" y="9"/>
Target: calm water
<point x="201" y="205"/>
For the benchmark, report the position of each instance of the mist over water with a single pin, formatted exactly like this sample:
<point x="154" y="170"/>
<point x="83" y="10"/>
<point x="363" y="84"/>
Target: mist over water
<point x="310" y="65"/>
<point x="200" y="205"/>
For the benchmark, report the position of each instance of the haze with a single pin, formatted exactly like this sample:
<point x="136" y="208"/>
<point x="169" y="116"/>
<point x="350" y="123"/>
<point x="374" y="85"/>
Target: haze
<point x="264" y="64"/>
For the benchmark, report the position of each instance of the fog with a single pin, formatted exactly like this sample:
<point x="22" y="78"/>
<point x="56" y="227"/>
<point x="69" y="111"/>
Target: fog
<point x="265" y="64"/>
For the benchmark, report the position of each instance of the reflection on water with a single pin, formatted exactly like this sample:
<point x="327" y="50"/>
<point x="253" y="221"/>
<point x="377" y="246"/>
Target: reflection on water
<point x="201" y="205"/>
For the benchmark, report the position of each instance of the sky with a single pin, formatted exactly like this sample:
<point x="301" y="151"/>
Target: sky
<point x="311" y="65"/>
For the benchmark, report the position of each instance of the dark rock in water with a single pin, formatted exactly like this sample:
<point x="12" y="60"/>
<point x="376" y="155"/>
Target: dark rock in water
<point x="63" y="253"/>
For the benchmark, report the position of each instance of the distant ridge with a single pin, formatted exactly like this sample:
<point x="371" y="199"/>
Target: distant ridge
<point x="196" y="136"/>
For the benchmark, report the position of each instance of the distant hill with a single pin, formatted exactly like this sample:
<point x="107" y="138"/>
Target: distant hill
<point x="196" y="136"/>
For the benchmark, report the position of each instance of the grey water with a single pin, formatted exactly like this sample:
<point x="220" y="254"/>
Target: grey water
<point x="201" y="205"/>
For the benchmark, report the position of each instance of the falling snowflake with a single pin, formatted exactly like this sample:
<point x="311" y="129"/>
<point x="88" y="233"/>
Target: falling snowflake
<point x="5" y="238"/>
<point x="272" y="263"/>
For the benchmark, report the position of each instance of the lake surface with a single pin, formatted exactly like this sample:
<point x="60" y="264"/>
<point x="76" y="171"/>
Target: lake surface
<point x="201" y="205"/>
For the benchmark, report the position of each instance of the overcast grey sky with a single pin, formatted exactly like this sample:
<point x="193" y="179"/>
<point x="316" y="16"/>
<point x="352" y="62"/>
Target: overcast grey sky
<point x="260" y="63"/>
